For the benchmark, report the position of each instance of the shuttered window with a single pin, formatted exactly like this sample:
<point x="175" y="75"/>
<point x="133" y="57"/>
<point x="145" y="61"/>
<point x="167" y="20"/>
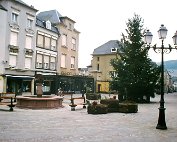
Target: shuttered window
<point x="28" y="63"/>
<point x="52" y="63"/>
<point x="47" y="42"/>
<point x="63" y="60"/>
<point x="64" y="40"/>
<point x="39" y="61"/>
<point x="12" y="60"/>
<point x="28" y="42"/>
<point x="40" y="40"/>
<point x="73" y="44"/>
<point x="53" y="44"/>
<point x="13" y="38"/>
<point x="46" y="62"/>
<point x="72" y="62"/>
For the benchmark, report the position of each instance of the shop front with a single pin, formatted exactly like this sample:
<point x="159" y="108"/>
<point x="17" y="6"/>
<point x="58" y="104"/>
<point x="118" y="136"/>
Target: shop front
<point x="19" y="84"/>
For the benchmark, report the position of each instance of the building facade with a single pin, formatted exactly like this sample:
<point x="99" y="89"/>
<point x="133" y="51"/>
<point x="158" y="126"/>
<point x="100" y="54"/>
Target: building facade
<point x="47" y="36"/>
<point x="68" y="43"/>
<point x="100" y="65"/>
<point x="17" y="56"/>
<point x="46" y="43"/>
<point x="67" y="78"/>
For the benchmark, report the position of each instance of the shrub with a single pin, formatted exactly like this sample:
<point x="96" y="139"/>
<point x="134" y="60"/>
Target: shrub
<point x="113" y="105"/>
<point x="93" y="96"/>
<point x="128" y="107"/>
<point x="97" y="109"/>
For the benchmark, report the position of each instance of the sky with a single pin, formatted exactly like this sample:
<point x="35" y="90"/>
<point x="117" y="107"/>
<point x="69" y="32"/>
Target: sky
<point x="102" y="20"/>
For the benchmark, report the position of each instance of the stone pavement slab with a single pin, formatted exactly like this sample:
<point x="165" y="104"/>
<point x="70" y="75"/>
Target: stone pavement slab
<point x="64" y="125"/>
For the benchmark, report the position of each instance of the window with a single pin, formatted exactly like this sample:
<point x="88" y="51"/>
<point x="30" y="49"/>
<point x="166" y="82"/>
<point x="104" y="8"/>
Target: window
<point x="39" y="61"/>
<point x="28" y="42"/>
<point x="13" y="38"/>
<point x="52" y="63"/>
<point x="73" y="44"/>
<point x="63" y="60"/>
<point x="29" y="23"/>
<point x="14" y="18"/>
<point x="40" y="40"/>
<point x="46" y="62"/>
<point x="113" y="49"/>
<point x="28" y="63"/>
<point x="12" y="60"/>
<point x="72" y="62"/>
<point x="47" y="42"/>
<point x="64" y="39"/>
<point x="98" y="67"/>
<point x="70" y="26"/>
<point x="98" y="58"/>
<point x="53" y="44"/>
<point x="48" y="25"/>
<point x="113" y="74"/>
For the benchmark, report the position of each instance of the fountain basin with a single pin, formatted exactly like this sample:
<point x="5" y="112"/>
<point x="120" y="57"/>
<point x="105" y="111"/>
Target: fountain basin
<point x="34" y="102"/>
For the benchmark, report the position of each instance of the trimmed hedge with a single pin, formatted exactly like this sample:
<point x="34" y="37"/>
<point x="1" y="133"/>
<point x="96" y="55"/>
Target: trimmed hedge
<point x="93" y="96"/>
<point x="113" y="104"/>
<point x="97" y="109"/>
<point x="128" y="107"/>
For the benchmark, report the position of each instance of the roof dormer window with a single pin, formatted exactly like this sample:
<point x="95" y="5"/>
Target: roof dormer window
<point x="48" y="24"/>
<point x="113" y="50"/>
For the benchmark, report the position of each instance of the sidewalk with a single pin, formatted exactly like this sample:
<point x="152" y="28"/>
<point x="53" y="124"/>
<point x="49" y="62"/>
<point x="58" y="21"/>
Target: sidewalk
<point x="64" y="125"/>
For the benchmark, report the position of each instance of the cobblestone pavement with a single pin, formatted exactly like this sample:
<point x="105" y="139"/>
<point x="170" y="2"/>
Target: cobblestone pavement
<point x="64" y="125"/>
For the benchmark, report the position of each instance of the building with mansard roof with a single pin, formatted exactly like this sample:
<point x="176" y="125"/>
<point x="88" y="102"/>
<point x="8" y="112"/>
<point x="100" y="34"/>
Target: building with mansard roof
<point x="100" y="64"/>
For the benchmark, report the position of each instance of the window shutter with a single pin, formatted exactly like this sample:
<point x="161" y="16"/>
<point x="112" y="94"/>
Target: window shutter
<point x="12" y="60"/>
<point x="28" y="42"/>
<point x="53" y="44"/>
<point x="39" y="58"/>
<point x="64" y="37"/>
<point x="47" y="42"/>
<point x="63" y="60"/>
<point x="28" y="63"/>
<point x="40" y="40"/>
<point x="13" y="38"/>
<point x="46" y="59"/>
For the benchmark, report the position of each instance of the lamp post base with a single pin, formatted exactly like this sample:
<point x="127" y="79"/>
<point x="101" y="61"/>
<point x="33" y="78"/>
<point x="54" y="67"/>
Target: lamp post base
<point x="161" y="122"/>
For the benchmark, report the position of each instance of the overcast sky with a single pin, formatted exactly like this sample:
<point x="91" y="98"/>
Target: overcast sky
<point x="102" y="20"/>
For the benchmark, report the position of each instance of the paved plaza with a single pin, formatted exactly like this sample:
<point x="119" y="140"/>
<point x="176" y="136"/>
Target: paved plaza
<point x="64" y="125"/>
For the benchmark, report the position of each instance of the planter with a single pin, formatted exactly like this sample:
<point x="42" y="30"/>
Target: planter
<point x="93" y="96"/>
<point x="97" y="109"/>
<point x="113" y="105"/>
<point x="128" y="107"/>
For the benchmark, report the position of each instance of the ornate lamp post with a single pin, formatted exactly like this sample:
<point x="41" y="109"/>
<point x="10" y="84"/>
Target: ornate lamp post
<point x="162" y="32"/>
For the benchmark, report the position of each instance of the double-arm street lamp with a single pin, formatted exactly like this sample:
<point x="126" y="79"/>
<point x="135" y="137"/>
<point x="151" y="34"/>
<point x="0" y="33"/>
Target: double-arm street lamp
<point x="162" y="32"/>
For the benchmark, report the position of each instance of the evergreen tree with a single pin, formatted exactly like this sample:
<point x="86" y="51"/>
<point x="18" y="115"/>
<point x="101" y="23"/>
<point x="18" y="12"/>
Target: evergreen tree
<point x="136" y="75"/>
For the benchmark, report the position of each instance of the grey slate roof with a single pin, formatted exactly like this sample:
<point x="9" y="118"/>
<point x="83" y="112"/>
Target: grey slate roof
<point x="41" y="23"/>
<point x="52" y="15"/>
<point x="106" y="48"/>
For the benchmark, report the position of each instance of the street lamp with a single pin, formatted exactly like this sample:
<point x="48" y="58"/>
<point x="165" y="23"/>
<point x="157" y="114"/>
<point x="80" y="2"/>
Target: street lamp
<point x="162" y="32"/>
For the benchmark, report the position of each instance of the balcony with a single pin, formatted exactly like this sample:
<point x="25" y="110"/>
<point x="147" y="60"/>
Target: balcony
<point x="29" y="52"/>
<point x="13" y="49"/>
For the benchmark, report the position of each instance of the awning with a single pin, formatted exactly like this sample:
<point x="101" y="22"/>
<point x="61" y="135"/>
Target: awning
<point x="20" y="76"/>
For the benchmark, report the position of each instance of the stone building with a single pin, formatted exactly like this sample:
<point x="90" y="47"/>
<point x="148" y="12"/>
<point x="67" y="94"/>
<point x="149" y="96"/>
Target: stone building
<point x="100" y="64"/>
<point x="68" y="43"/>
<point x="17" y="56"/>
<point x="47" y="36"/>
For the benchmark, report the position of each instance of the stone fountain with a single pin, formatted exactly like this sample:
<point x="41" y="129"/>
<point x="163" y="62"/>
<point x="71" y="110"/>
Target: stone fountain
<point x="39" y="101"/>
